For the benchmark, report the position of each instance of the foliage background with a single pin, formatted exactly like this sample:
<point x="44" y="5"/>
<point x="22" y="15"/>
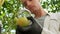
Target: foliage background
<point x="9" y="10"/>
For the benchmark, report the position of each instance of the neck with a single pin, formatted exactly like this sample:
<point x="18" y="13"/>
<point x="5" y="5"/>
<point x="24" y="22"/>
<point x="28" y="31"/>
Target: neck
<point x="40" y="12"/>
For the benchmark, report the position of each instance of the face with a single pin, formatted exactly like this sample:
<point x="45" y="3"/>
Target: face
<point x="31" y="5"/>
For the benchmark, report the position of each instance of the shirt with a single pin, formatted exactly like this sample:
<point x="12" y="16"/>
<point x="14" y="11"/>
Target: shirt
<point x="52" y="24"/>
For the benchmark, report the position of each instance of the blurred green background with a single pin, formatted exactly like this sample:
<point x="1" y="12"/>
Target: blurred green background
<point x="9" y="10"/>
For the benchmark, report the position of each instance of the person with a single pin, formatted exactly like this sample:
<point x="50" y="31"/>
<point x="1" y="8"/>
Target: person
<point x="49" y="23"/>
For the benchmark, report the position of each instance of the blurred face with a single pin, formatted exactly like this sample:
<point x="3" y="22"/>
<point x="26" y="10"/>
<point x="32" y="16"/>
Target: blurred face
<point x="32" y="5"/>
